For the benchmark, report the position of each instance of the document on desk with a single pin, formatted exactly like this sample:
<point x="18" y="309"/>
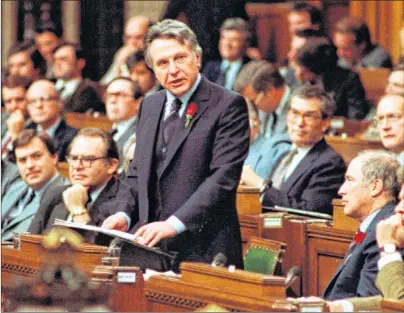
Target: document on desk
<point x="110" y="232"/>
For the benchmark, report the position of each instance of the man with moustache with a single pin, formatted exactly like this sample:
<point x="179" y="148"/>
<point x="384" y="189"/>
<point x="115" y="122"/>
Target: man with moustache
<point x="307" y="177"/>
<point x="36" y="159"/>
<point x="192" y="139"/>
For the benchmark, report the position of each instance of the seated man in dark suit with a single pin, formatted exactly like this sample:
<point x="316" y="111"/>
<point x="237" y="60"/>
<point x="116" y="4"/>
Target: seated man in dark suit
<point x="316" y="63"/>
<point x="45" y="109"/>
<point x="36" y="159"/>
<point x="308" y="177"/>
<point x="122" y="109"/>
<point x="390" y="279"/>
<point x="232" y="48"/>
<point x="93" y="160"/>
<point x="78" y="94"/>
<point x="355" y="48"/>
<point x="368" y="194"/>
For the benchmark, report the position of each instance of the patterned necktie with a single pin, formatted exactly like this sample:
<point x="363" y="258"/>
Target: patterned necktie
<point x="171" y="122"/>
<point x="280" y="172"/>
<point x="221" y="79"/>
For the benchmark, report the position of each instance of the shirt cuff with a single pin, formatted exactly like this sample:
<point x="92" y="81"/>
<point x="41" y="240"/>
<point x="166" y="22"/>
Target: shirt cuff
<point x="177" y="224"/>
<point x="389" y="258"/>
<point x="346" y="305"/>
<point x="127" y="218"/>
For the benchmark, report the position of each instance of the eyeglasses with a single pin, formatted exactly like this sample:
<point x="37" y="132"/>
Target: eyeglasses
<point x="110" y="95"/>
<point x="308" y="117"/>
<point x="392" y="118"/>
<point x="86" y="161"/>
<point x="41" y="100"/>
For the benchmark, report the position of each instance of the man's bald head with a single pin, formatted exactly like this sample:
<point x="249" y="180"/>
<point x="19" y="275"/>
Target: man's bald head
<point x="135" y="30"/>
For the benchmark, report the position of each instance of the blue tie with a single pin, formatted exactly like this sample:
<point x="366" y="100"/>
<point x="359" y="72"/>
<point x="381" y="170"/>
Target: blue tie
<point x="171" y="122"/>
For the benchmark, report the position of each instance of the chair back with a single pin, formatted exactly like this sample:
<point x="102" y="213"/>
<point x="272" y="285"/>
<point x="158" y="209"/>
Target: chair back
<point x="264" y="256"/>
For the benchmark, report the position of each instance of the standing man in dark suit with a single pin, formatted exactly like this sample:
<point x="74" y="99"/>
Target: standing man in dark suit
<point x="192" y="139"/>
<point x="369" y="192"/>
<point x="78" y="94"/>
<point x="232" y="48"/>
<point x="308" y="177"/>
<point x="93" y="160"/>
<point x="45" y="109"/>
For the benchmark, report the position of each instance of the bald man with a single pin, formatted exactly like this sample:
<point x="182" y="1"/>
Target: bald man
<point x="45" y="109"/>
<point x="135" y="30"/>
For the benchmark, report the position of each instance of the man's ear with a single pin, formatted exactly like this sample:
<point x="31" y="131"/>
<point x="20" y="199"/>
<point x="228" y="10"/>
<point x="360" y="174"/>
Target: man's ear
<point x="112" y="165"/>
<point x="326" y="124"/>
<point x="377" y="187"/>
<point x="81" y="63"/>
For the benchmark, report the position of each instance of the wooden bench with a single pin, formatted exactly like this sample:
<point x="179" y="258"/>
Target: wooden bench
<point x="81" y="120"/>
<point x="374" y="80"/>
<point x="348" y="147"/>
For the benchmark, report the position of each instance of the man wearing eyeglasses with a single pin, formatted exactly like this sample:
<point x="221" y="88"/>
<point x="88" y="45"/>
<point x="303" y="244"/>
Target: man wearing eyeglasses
<point x="390" y="123"/>
<point x="122" y="108"/>
<point x="93" y="160"/>
<point x="308" y="177"/>
<point x="45" y="109"/>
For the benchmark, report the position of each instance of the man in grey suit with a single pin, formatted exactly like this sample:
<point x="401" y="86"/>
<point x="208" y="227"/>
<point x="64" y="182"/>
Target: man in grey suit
<point x="122" y="108"/>
<point x="36" y="159"/>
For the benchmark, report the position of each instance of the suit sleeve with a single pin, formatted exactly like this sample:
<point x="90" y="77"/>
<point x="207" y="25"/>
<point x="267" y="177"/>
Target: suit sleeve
<point x="317" y="196"/>
<point x="390" y="280"/>
<point x="89" y="98"/>
<point x="49" y="200"/>
<point x="230" y="148"/>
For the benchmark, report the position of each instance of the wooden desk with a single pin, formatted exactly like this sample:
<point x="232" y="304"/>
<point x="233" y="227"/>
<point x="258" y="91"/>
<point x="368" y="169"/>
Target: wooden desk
<point x="327" y="247"/>
<point x="248" y="200"/>
<point x="389" y="305"/>
<point x="202" y="284"/>
<point x="27" y="261"/>
<point x="349" y="147"/>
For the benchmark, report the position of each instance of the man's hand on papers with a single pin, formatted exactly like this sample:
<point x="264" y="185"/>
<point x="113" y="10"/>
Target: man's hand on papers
<point x="117" y="222"/>
<point x="151" y="234"/>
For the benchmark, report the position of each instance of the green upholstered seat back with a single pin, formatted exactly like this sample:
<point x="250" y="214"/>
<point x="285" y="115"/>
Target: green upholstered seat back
<point x="260" y="260"/>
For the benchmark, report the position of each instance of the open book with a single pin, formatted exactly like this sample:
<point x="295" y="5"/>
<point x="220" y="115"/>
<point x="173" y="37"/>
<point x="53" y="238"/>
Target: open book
<point x="110" y="232"/>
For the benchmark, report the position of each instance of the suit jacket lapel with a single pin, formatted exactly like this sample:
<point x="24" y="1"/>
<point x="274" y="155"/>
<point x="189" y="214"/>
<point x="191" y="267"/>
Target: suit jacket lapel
<point x="201" y="97"/>
<point x="152" y="127"/>
<point x="303" y="166"/>
<point x="17" y="195"/>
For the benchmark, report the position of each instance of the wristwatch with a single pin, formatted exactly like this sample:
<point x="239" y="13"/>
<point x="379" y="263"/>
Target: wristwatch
<point x="265" y="186"/>
<point x="78" y="211"/>
<point x="388" y="248"/>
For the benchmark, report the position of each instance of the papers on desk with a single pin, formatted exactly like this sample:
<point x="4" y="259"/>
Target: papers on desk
<point x="150" y="273"/>
<point x="110" y="232"/>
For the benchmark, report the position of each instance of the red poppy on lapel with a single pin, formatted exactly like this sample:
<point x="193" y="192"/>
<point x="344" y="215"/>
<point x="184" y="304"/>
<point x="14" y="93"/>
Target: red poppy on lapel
<point x="191" y="110"/>
<point x="359" y="237"/>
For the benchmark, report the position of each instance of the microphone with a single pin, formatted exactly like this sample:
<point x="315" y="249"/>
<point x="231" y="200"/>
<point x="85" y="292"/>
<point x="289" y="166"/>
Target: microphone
<point x="219" y="260"/>
<point x="293" y="273"/>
